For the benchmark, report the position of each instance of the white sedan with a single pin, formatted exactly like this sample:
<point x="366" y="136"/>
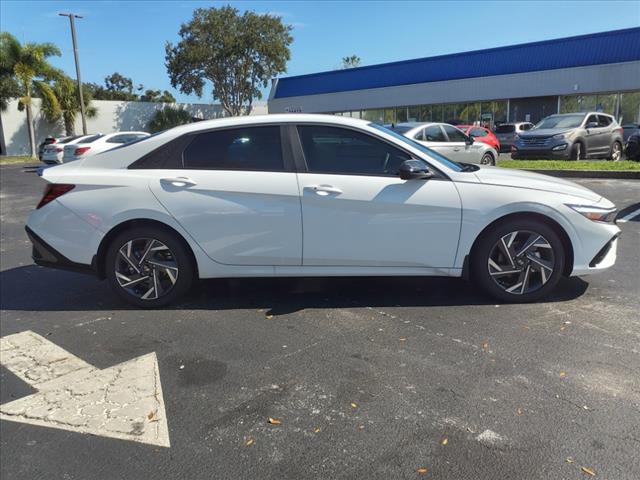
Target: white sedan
<point x="311" y="195"/>
<point x="53" y="152"/>
<point x="99" y="143"/>
<point x="448" y="141"/>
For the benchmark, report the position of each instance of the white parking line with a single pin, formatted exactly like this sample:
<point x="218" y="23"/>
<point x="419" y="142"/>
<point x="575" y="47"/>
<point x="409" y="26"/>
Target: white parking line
<point x="629" y="216"/>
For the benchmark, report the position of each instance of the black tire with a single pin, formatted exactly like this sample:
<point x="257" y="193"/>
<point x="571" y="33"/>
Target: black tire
<point x="612" y="153"/>
<point x="178" y="253"/>
<point x="488" y="159"/>
<point x="577" y="151"/>
<point x="484" y="247"/>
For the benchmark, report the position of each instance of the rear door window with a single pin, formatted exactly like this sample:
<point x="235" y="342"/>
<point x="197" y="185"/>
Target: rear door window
<point x="251" y="148"/>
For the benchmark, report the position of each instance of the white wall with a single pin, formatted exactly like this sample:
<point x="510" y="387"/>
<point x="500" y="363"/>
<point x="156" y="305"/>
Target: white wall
<point x="112" y="116"/>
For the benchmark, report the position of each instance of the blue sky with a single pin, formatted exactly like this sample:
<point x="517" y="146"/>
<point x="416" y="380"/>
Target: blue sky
<point x="129" y="37"/>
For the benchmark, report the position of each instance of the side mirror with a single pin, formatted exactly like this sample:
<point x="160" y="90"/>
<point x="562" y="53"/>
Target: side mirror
<point x="592" y="125"/>
<point x="469" y="140"/>
<point x="414" y="170"/>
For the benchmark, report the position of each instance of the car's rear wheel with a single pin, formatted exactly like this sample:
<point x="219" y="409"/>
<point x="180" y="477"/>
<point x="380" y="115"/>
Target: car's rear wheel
<point x="149" y="266"/>
<point x="616" y="152"/>
<point x="518" y="261"/>
<point x="487" y="159"/>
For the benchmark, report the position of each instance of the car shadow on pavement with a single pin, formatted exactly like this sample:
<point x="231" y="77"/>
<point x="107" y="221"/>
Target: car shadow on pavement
<point x="33" y="288"/>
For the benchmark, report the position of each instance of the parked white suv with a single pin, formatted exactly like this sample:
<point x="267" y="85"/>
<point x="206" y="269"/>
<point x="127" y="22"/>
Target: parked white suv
<point x="311" y="195"/>
<point x="448" y="141"/>
<point x="99" y="143"/>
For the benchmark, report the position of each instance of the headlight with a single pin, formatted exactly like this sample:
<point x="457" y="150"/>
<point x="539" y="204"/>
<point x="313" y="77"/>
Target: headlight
<point x="560" y="136"/>
<point x="597" y="214"/>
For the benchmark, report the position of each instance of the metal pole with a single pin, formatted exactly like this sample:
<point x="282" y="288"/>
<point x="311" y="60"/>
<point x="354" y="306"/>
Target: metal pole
<point x="72" y="18"/>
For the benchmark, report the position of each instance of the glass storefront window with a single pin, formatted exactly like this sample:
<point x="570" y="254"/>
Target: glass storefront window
<point x="449" y="113"/>
<point x="436" y="113"/>
<point x="401" y="114"/>
<point x="629" y="111"/>
<point x="376" y="116"/>
<point x="389" y="115"/>
<point x="413" y="114"/>
<point x="606" y="103"/>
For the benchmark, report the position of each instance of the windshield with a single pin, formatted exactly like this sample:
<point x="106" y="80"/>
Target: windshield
<point x="560" y="121"/>
<point x="505" y="128"/>
<point x="401" y="129"/>
<point x="455" y="166"/>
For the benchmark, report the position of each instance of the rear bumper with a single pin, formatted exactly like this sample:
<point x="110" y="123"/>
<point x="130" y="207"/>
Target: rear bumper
<point x="45" y="255"/>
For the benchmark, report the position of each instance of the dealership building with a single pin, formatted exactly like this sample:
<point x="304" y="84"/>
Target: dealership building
<point x="526" y="82"/>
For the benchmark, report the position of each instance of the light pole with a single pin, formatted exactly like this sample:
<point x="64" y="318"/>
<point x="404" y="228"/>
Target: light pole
<point x="72" y="17"/>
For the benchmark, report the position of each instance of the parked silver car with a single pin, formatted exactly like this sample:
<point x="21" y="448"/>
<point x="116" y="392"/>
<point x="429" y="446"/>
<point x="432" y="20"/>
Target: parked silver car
<point x="448" y="141"/>
<point x="574" y="136"/>
<point x="508" y="133"/>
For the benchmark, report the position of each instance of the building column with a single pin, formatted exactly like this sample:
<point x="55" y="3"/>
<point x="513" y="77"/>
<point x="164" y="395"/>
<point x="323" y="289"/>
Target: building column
<point x="508" y="110"/>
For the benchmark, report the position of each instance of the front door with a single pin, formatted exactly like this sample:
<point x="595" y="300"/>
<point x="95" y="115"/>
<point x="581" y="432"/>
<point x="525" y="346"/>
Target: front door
<point x="358" y="212"/>
<point x="236" y="197"/>
<point x="462" y="151"/>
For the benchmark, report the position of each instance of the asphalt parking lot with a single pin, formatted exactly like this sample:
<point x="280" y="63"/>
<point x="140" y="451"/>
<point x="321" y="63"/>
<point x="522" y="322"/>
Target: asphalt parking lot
<point x="367" y="378"/>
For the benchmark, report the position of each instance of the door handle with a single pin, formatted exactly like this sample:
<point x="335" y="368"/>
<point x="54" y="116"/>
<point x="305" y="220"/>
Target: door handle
<point x="457" y="149"/>
<point x="324" y="189"/>
<point x="179" y="181"/>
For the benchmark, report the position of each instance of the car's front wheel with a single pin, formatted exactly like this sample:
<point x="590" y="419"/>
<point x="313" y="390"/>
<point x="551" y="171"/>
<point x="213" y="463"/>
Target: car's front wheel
<point x="149" y="267"/>
<point x="518" y="261"/>
<point x="487" y="159"/>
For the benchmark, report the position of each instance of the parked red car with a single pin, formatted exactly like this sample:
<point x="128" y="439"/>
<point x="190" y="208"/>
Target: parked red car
<point x="481" y="134"/>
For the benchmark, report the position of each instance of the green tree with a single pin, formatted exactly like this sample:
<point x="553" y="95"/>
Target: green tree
<point x="238" y="54"/>
<point x="119" y="87"/>
<point x="350" y="62"/>
<point x="31" y="72"/>
<point x="67" y="103"/>
<point x="157" y="96"/>
<point x="169" y="117"/>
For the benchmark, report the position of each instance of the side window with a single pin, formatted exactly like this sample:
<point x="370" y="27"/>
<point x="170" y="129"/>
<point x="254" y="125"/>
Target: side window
<point x="419" y="135"/>
<point x="344" y="151"/>
<point x="592" y="118"/>
<point x="434" y="133"/>
<point x="604" y="121"/>
<point x="251" y="148"/>
<point x="478" y="132"/>
<point x="454" y="134"/>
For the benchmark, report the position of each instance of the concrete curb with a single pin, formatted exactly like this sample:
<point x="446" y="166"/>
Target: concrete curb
<point x="620" y="174"/>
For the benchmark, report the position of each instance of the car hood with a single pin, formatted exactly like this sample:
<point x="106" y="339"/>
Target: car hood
<point x="533" y="181"/>
<point x="545" y="132"/>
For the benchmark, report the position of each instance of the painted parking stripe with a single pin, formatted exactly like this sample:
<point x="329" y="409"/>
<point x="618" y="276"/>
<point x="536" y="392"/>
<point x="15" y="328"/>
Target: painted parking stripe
<point x="629" y="216"/>
<point x="124" y="401"/>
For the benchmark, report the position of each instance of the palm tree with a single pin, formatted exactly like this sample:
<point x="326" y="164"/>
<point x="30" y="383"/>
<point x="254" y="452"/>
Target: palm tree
<point x="65" y="103"/>
<point x="29" y="63"/>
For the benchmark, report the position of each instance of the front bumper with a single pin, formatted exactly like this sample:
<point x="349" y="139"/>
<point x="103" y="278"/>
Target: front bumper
<point x="539" y="153"/>
<point x="45" y="255"/>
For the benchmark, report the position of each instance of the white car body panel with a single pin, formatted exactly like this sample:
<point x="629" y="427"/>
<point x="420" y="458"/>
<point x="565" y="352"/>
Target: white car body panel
<point x="243" y="224"/>
<point x="365" y="224"/>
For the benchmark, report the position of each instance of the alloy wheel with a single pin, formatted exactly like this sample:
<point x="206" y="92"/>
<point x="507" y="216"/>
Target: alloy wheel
<point x="521" y="262"/>
<point x="146" y="268"/>
<point x="616" y="152"/>
<point x="486" y="159"/>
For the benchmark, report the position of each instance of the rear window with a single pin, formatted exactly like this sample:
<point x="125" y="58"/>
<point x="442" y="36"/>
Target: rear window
<point x="401" y="129"/>
<point x="91" y="139"/>
<point x="70" y="139"/>
<point x="505" y="128"/>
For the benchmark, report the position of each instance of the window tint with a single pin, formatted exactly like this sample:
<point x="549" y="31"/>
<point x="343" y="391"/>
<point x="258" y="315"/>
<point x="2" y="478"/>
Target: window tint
<point x="251" y="148"/>
<point x="526" y="126"/>
<point x="454" y="134"/>
<point x="478" y="132"/>
<point x="167" y="156"/>
<point x="434" y="133"/>
<point x="604" y="121"/>
<point x="419" y="135"/>
<point x="339" y="150"/>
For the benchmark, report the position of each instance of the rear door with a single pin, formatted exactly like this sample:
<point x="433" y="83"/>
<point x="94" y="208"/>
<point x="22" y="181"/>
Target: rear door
<point x="595" y="136"/>
<point x="236" y="193"/>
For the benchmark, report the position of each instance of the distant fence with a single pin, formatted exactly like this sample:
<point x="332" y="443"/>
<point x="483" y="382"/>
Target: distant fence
<point x="112" y="116"/>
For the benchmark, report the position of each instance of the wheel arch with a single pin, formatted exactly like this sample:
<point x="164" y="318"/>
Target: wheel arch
<point x="136" y="222"/>
<point x="557" y="228"/>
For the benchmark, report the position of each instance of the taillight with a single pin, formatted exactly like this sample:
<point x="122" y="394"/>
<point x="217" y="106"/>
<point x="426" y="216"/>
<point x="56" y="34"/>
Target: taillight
<point x="53" y="191"/>
<point x="81" y="150"/>
<point x="58" y="149"/>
